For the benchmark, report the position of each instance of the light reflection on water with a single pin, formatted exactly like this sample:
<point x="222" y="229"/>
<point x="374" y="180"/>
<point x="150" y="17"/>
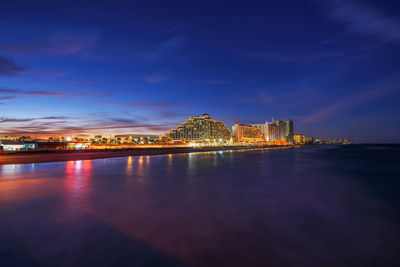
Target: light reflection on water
<point x="129" y="165"/>
<point x="10" y="169"/>
<point x="77" y="181"/>
<point x="311" y="206"/>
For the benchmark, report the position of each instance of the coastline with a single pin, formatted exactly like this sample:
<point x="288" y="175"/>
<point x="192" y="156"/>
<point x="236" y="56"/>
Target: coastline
<point x="26" y="157"/>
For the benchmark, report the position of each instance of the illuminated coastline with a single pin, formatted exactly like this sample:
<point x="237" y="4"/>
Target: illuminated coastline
<point x="197" y="131"/>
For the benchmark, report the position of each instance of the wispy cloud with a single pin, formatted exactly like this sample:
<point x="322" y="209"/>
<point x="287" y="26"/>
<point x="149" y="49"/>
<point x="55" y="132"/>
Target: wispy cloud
<point x="256" y="96"/>
<point x="300" y="56"/>
<point x="37" y="93"/>
<point x="364" y="19"/>
<point x="8" y="67"/>
<point x="62" y="126"/>
<point x="58" y="44"/>
<point x="83" y="83"/>
<point x="7" y="97"/>
<point x="346" y="104"/>
<point x="11" y="120"/>
<point x="156" y="78"/>
<point x="141" y="104"/>
<point x="154" y="51"/>
<point x="172" y="115"/>
<point x="215" y="82"/>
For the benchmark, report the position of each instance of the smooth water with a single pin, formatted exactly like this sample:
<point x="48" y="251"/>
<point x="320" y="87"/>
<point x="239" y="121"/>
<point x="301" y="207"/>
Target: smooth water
<point x="313" y="206"/>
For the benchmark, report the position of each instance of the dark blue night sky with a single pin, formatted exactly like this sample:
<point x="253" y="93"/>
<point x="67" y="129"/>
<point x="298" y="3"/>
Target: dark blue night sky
<point x="82" y="67"/>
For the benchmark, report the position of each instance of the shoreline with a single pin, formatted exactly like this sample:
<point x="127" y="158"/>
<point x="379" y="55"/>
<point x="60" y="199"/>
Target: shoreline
<point x="26" y="157"/>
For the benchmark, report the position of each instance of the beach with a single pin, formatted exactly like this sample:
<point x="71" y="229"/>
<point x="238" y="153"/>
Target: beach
<point x="25" y="157"/>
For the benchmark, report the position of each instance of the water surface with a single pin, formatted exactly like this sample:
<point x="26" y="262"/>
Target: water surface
<point x="313" y="206"/>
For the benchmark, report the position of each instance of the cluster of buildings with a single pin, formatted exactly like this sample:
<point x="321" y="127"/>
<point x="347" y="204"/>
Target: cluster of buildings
<point x="204" y="129"/>
<point x="197" y="130"/>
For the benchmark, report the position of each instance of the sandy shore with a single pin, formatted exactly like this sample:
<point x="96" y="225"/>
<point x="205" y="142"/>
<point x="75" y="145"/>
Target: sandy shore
<point x="50" y="156"/>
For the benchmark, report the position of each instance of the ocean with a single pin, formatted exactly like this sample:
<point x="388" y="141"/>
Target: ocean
<point x="311" y="206"/>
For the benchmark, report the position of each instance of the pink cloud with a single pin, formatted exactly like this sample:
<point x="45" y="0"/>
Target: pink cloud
<point x="7" y="97"/>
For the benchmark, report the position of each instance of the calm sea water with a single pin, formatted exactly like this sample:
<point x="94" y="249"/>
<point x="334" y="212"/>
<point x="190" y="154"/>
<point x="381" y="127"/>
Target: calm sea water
<point x="313" y="206"/>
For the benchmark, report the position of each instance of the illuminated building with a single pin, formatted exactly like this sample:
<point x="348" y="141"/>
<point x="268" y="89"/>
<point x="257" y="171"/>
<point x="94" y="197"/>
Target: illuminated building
<point x="264" y="129"/>
<point x="137" y="138"/>
<point x="272" y="131"/>
<point x="11" y="145"/>
<point x="200" y="128"/>
<point x="52" y="145"/>
<point x="98" y="138"/>
<point x="78" y="145"/>
<point x="54" y="138"/>
<point x="285" y="130"/>
<point x="309" y="140"/>
<point x="247" y="134"/>
<point x="299" y="139"/>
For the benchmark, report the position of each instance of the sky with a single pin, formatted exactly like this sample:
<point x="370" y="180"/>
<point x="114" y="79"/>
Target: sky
<point x="108" y="67"/>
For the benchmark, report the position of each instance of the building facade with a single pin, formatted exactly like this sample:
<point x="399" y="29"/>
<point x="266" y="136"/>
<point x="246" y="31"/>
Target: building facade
<point x="272" y="131"/>
<point x="247" y="134"/>
<point x="299" y="139"/>
<point x="277" y="130"/>
<point x="11" y="145"/>
<point x="137" y="138"/>
<point x="200" y="128"/>
<point x="286" y="131"/>
<point x="264" y="129"/>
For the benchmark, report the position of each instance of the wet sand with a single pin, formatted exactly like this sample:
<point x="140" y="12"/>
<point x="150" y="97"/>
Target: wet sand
<point x="26" y="157"/>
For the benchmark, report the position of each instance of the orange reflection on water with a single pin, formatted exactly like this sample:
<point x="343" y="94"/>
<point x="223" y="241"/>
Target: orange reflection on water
<point x="140" y="168"/>
<point x="129" y="165"/>
<point x="169" y="160"/>
<point x="20" y="190"/>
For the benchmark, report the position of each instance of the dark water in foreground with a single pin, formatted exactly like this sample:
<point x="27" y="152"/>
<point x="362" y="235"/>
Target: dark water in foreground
<point x="314" y="206"/>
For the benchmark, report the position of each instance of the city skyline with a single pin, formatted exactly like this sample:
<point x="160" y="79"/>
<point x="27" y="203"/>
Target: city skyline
<point x="143" y="67"/>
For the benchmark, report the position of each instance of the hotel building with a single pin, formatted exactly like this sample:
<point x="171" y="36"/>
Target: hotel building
<point x="277" y="130"/>
<point x="286" y="130"/>
<point x="264" y="129"/>
<point x="247" y="134"/>
<point x="200" y="128"/>
<point x="272" y="131"/>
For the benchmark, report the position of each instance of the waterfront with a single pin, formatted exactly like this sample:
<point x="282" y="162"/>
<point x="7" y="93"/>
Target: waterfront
<point x="311" y="206"/>
<point x="24" y="157"/>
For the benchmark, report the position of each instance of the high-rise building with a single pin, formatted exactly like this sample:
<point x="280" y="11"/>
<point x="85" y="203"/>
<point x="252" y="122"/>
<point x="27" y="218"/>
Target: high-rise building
<point x="285" y="130"/>
<point x="264" y="129"/>
<point x="247" y="134"/>
<point x="200" y="128"/>
<point x="272" y="131"/>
